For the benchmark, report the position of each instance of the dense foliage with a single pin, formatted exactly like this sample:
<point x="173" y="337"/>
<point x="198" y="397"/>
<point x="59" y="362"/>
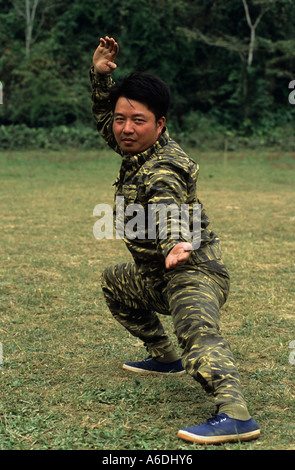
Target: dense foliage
<point x="201" y="48"/>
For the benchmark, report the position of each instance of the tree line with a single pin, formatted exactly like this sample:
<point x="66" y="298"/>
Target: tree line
<point x="229" y="63"/>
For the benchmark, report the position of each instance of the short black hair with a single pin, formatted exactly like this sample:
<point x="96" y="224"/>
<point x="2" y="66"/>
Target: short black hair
<point x="146" y="88"/>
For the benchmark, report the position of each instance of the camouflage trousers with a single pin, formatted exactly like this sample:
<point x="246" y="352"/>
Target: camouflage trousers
<point x="193" y="299"/>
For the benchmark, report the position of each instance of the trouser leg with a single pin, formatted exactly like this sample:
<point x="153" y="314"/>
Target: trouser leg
<point x="133" y="303"/>
<point x="194" y="301"/>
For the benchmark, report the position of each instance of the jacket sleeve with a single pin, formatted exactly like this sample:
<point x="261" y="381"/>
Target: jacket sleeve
<point x="167" y="194"/>
<point x="101" y="107"/>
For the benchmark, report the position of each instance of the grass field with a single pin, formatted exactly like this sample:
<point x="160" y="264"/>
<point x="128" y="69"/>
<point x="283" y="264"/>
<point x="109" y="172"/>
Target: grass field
<point x="62" y="385"/>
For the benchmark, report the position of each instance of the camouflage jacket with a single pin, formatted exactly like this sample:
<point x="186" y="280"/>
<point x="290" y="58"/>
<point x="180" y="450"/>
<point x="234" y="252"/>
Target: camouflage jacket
<point x="162" y="174"/>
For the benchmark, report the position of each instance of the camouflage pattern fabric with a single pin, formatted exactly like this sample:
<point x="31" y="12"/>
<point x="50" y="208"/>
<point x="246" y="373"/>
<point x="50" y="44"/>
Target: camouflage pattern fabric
<point x="192" y="294"/>
<point x="193" y="299"/>
<point x="163" y="174"/>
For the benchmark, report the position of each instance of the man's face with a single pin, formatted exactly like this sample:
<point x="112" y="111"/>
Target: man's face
<point x="134" y="126"/>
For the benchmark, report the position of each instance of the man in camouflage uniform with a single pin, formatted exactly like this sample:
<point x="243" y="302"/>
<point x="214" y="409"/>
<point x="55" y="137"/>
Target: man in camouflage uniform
<point x="168" y="275"/>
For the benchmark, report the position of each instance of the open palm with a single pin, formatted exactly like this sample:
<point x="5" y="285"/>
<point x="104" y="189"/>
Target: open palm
<point x="104" y="56"/>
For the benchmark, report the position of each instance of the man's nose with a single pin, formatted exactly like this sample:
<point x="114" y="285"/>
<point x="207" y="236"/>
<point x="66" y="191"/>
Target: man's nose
<point x="128" y="127"/>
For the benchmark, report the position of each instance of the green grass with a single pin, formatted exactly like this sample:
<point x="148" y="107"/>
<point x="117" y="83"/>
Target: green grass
<point x="62" y="385"/>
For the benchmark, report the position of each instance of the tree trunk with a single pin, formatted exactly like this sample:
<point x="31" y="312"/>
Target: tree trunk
<point x="30" y="17"/>
<point x="28" y="12"/>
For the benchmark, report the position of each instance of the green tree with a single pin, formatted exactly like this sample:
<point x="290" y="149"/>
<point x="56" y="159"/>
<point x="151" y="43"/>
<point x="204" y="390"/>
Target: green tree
<point x="246" y="30"/>
<point x="32" y="13"/>
<point x="227" y="60"/>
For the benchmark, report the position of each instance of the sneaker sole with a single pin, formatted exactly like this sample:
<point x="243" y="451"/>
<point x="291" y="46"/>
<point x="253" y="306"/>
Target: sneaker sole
<point x="187" y="436"/>
<point x="137" y="370"/>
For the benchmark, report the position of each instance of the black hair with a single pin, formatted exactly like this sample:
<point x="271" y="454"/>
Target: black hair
<point x="146" y="88"/>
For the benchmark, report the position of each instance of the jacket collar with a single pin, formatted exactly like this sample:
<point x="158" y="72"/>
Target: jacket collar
<point x="132" y="163"/>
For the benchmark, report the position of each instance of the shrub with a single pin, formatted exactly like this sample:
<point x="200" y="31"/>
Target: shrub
<point x="14" y="137"/>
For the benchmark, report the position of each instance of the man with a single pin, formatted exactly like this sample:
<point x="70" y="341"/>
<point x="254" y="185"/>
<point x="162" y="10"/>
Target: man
<point x="169" y="275"/>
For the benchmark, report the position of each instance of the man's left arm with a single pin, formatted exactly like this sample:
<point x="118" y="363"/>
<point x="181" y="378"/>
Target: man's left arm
<point x="168" y="190"/>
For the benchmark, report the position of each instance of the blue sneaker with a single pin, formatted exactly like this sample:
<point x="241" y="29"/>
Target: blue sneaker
<point x="221" y="428"/>
<point x="152" y="366"/>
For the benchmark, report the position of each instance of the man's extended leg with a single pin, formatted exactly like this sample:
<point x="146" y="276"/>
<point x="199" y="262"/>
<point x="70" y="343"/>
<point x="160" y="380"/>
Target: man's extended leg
<point x="133" y="303"/>
<point x="195" y="300"/>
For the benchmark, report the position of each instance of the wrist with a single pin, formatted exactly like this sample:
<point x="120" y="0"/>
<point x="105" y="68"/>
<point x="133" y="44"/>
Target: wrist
<point x="98" y="73"/>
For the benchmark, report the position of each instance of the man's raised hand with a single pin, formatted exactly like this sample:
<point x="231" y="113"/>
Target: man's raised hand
<point x="104" y="56"/>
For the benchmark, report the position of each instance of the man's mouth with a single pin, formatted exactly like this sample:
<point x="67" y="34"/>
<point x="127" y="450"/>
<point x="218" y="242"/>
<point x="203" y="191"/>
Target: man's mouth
<point x="128" y="141"/>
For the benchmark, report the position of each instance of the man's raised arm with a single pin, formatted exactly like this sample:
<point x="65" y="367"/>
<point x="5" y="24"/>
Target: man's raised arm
<point x="100" y="76"/>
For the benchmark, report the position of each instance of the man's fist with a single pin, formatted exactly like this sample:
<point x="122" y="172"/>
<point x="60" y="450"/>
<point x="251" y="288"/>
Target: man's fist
<point x="104" y="56"/>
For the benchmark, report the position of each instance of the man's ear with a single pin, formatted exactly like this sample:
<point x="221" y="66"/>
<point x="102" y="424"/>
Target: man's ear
<point x="160" y="124"/>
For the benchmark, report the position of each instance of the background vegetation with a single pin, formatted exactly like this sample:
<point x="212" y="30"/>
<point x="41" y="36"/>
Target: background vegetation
<point x="228" y="63"/>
